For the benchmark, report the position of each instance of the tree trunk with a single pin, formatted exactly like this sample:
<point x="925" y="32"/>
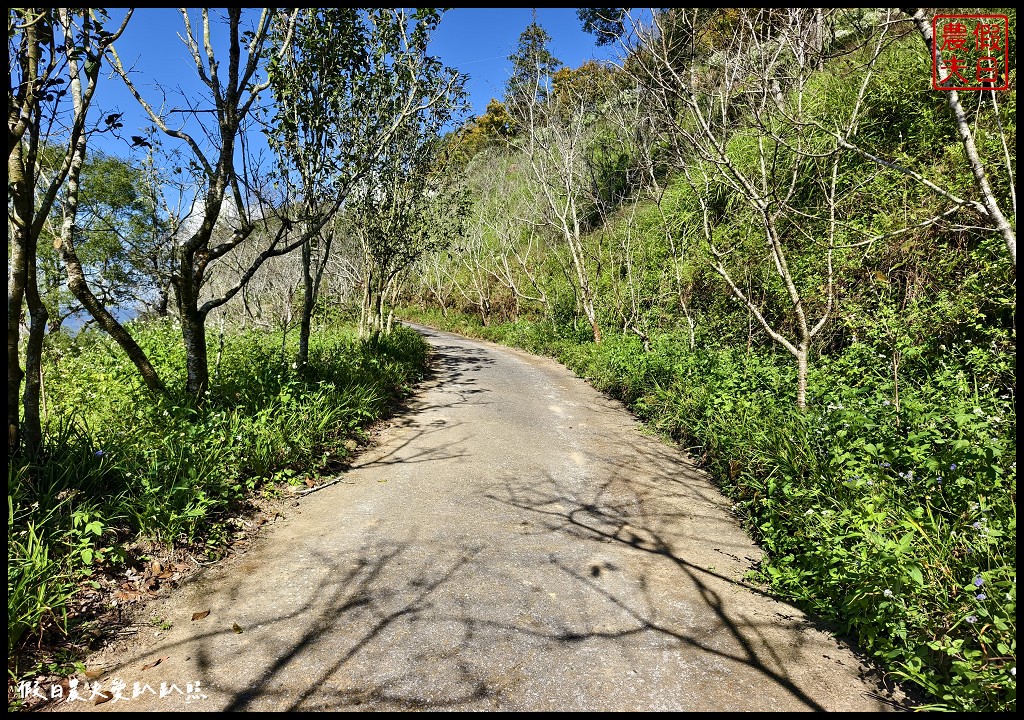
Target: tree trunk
<point x="193" y="332"/>
<point x="586" y="296"/>
<point x="163" y="299"/>
<point x="801" y="377"/>
<point x="15" y="301"/>
<point x="308" y="300"/>
<point x="588" y="308"/>
<point x="33" y="429"/>
<point x="364" y="314"/>
<point x="78" y="286"/>
<point x="193" y="326"/>
<point x="364" y="308"/>
<point x="485" y="311"/>
<point x="691" y="325"/>
<point x="377" y="310"/>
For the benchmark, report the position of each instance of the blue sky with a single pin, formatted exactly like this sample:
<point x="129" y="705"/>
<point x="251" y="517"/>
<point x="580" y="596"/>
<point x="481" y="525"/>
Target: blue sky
<point x="476" y="41"/>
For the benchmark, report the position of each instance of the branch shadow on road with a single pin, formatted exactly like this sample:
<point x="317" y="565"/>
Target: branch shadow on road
<point x="366" y="598"/>
<point x="450" y="377"/>
<point x="626" y="513"/>
<point x="413" y="622"/>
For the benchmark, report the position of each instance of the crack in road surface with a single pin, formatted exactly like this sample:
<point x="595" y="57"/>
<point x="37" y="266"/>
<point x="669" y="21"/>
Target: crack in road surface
<point x="515" y="542"/>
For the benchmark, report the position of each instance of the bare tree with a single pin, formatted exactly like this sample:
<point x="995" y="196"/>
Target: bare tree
<point x="475" y="255"/>
<point x="754" y="174"/>
<point x="555" y="147"/>
<point x="509" y="216"/>
<point x="437" y="279"/>
<point x="234" y="95"/>
<point x="637" y="129"/>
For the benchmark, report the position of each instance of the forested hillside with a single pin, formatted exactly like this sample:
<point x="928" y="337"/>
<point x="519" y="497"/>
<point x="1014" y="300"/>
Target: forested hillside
<point x="762" y="229"/>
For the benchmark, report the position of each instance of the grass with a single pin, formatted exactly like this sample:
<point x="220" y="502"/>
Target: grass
<point x="121" y="468"/>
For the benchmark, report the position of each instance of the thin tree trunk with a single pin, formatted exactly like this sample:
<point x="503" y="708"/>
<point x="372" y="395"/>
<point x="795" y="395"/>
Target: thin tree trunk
<point x="586" y="297"/>
<point x="109" y="324"/>
<point x="378" y="308"/>
<point x="365" y="319"/>
<point x="33" y="430"/>
<point x="588" y="309"/>
<point x="1002" y="225"/>
<point x="801" y="377"/>
<point x="80" y="287"/>
<point x="163" y="299"/>
<point x="308" y="300"/>
<point x="380" y="312"/>
<point x="20" y="223"/>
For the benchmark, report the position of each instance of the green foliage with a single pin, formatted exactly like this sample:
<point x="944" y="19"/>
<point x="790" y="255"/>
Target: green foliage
<point x="606" y="24"/>
<point x="38" y="586"/>
<point x="533" y="67"/>
<point x="492" y="129"/>
<point x="117" y="238"/>
<point x="119" y="465"/>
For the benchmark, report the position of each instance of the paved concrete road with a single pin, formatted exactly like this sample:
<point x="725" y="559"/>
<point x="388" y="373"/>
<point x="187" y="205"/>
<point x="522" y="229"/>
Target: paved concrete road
<point x="515" y="542"/>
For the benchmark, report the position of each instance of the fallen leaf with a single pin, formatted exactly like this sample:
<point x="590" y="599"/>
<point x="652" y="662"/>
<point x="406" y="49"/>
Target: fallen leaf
<point x="166" y="575"/>
<point x="200" y="615"/>
<point x="236" y="627"/>
<point x="156" y="662"/>
<point x="382" y="481"/>
<point x="103" y="697"/>
<point x="95" y="673"/>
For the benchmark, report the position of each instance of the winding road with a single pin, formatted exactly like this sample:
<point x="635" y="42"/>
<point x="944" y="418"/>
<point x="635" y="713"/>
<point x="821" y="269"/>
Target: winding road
<point x="515" y="541"/>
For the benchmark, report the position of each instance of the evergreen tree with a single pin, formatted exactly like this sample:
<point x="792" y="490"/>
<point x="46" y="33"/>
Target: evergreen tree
<point x="533" y="67"/>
